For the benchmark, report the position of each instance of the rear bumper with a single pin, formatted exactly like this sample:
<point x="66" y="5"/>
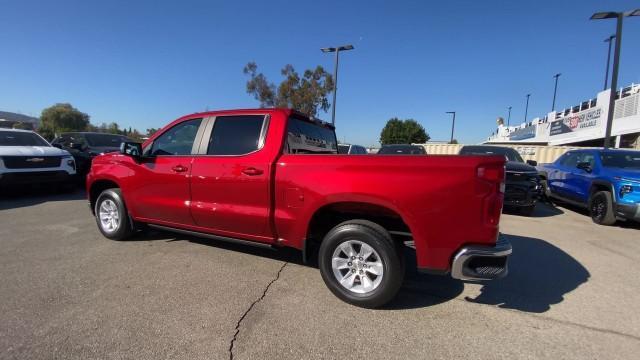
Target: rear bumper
<point x="628" y="211"/>
<point x="477" y="262"/>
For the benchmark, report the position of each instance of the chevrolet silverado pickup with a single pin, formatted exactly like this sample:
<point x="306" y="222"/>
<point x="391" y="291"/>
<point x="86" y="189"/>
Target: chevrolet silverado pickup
<point x="273" y="177"/>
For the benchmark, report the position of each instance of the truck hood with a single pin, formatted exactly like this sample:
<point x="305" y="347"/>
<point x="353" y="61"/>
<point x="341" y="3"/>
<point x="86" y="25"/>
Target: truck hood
<point x="32" y="151"/>
<point x="519" y="167"/>
<point x="631" y="174"/>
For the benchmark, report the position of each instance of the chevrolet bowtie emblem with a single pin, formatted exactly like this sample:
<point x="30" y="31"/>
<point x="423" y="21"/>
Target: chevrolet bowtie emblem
<point x="35" y="160"/>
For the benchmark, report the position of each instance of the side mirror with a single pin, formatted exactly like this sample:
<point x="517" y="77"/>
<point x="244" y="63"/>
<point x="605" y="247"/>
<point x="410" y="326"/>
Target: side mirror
<point x="532" y="162"/>
<point x="133" y="149"/>
<point x="586" y="166"/>
<point x="57" y="145"/>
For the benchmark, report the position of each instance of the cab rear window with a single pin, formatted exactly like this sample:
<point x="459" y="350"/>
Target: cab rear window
<point x="305" y="137"/>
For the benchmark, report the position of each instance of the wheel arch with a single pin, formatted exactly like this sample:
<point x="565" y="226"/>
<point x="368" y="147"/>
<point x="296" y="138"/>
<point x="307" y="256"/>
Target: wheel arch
<point x="97" y="187"/>
<point x="329" y="215"/>
<point x="602" y="185"/>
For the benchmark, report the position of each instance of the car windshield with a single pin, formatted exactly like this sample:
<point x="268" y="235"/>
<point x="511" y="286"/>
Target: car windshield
<point x="343" y="149"/>
<point x="19" y="138"/>
<point x="104" y="140"/>
<point x="622" y="160"/>
<point x="401" y="150"/>
<point x="510" y="154"/>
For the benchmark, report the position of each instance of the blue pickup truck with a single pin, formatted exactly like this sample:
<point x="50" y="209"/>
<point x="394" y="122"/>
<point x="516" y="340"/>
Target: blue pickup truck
<point x="606" y="182"/>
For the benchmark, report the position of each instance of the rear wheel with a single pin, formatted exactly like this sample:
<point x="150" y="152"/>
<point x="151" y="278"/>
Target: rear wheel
<point x="112" y="216"/>
<point x="360" y="263"/>
<point x="601" y="208"/>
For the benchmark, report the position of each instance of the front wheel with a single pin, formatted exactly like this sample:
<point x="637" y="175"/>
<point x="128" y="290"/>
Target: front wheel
<point x="111" y="215"/>
<point x="360" y="263"/>
<point x="601" y="208"/>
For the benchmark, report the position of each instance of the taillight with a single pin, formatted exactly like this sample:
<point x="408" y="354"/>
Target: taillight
<point x="493" y="176"/>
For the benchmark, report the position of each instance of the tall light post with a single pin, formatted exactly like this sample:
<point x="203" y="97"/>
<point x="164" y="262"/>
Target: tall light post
<point x="619" y="16"/>
<point x="453" y="124"/>
<point x="509" y="116"/>
<point x="606" y="72"/>
<point x="335" y="76"/>
<point x="555" y="90"/>
<point x="526" y="108"/>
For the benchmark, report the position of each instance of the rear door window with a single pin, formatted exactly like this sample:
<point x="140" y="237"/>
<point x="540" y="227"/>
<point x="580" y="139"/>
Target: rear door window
<point x="237" y="135"/>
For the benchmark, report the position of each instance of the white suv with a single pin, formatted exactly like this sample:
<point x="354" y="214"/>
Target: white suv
<point x="27" y="158"/>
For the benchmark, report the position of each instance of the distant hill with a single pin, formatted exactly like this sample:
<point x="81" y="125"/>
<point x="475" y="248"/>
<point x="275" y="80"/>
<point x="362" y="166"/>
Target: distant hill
<point x="14" y="117"/>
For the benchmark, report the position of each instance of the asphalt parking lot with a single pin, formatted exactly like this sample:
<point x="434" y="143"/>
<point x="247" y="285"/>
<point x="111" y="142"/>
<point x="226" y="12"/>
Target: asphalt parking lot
<point x="67" y="292"/>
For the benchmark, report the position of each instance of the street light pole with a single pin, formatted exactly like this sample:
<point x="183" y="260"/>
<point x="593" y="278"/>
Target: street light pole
<point x="606" y="72"/>
<point x="526" y="109"/>
<point x="619" y="16"/>
<point x="335" y="76"/>
<point x="509" y="117"/>
<point x="555" y="90"/>
<point x="453" y="124"/>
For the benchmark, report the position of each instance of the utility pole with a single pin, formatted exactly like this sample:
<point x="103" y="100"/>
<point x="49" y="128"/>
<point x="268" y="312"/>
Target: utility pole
<point x="555" y="90"/>
<point x="335" y="76"/>
<point x="619" y="16"/>
<point x="526" y="109"/>
<point x="453" y="124"/>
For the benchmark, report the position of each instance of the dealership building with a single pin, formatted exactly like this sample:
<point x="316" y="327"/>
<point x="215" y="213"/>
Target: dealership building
<point x="581" y="125"/>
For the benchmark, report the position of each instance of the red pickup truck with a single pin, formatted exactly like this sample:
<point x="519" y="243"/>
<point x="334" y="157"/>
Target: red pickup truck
<point x="273" y="177"/>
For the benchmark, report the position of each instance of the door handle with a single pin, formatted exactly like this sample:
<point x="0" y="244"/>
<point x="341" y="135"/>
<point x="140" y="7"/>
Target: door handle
<point x="252" y="171"/>
<point x="179" y="168"/>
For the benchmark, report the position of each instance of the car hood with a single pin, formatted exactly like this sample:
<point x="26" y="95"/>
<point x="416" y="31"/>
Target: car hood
<point x="632" y="174"/>
<point x="32" y="151"/>
<point x="519" y="167"/>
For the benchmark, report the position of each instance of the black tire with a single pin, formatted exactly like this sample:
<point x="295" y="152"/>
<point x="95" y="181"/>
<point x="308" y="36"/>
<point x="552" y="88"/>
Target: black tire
<point x="527" y="210"/>
<point x="601" y="208"/>
<point x="390" y="255"/>
<point x="123" y="230"/>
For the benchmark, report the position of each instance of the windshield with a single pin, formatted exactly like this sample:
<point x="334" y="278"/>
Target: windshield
<point x="343" y="149"/>
<point x="510" y="154"/>
<point x="104" y="140"/>
<point x="304" y="137"/>
<point x="401" y="150"/>
<point x="622" y="160"/>
<point x="18" y="138"/>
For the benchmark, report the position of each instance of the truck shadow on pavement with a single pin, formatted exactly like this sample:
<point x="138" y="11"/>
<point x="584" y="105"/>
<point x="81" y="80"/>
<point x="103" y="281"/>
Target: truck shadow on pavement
<point x="418" y="290"/>
<point x="18" y="198"/>
<point x="542" y="210"/>
<point x="540" y="275"/>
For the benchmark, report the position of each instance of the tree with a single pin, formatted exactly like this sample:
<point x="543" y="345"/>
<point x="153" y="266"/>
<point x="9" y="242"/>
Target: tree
<point x="454" y="141"/>
<point x="151" y="131"/>
<point x="60" y="118"/>
<point x="407" y="131"/>
<point x="307" y="94"/>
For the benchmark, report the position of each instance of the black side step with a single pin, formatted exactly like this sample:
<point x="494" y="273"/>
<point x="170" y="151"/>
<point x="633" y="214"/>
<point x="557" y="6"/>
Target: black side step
<point x="214" y="237"/>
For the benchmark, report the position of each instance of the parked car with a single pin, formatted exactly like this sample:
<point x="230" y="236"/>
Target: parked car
<point x="84" y="146"/>
<point x="606" y="182"/>
<point x="26" y="158"/>
<point x="273" y="178"/>
<point x="522" y="181"/>
<point x="402" y="149"/>
<point x="351" y="149"/>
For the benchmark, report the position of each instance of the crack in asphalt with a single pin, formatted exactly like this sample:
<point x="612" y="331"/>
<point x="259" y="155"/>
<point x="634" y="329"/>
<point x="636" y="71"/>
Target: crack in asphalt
<point x="264" y="293"/>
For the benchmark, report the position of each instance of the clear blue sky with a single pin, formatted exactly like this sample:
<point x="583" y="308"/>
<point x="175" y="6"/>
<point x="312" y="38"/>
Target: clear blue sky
<point x="144" y="63"/>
